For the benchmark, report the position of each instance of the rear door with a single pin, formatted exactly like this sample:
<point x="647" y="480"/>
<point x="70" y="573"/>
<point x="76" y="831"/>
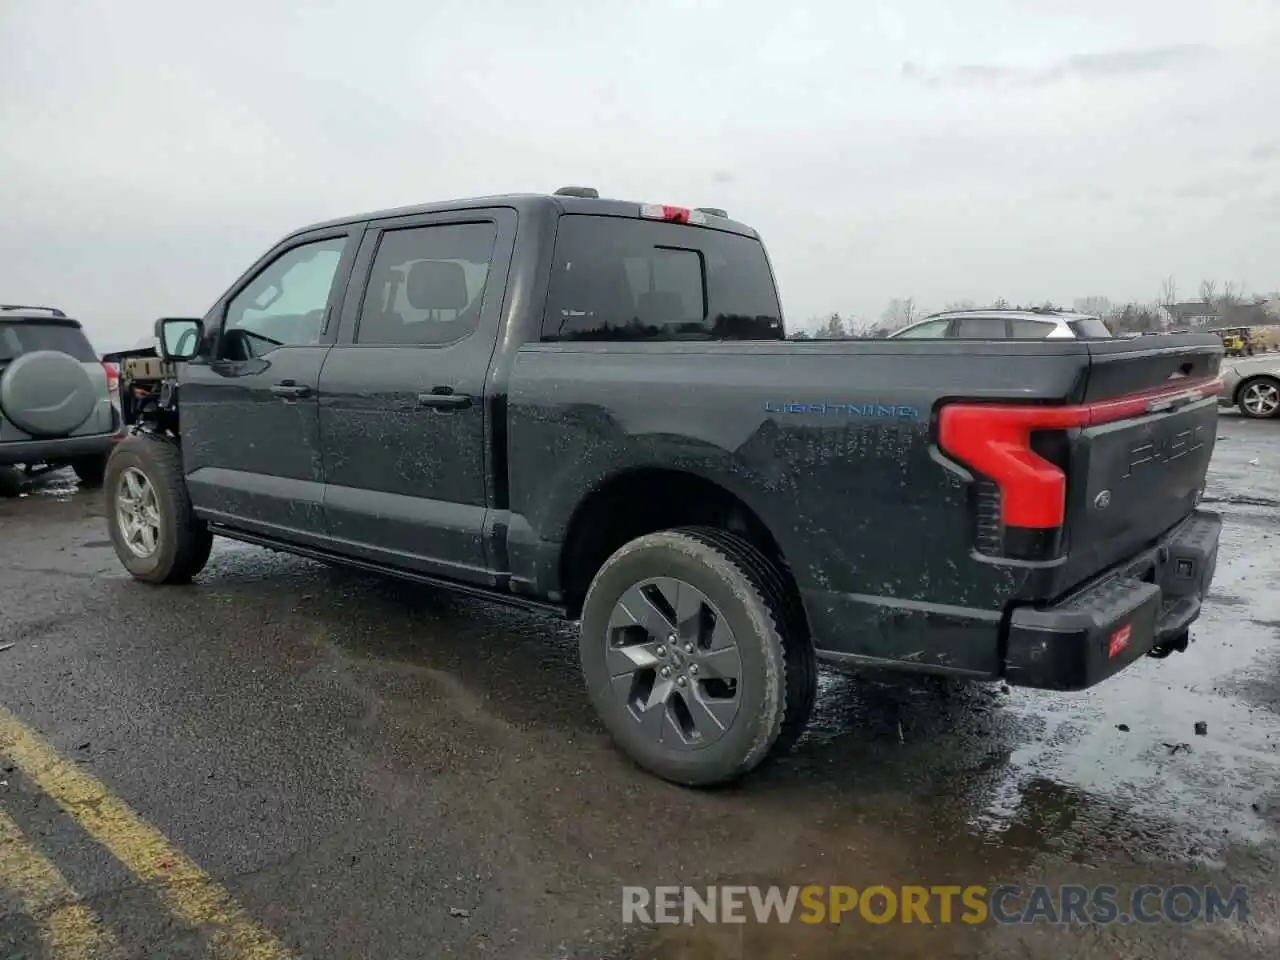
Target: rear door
<point x="403" y="412"/>
<point x="248" y="403"/>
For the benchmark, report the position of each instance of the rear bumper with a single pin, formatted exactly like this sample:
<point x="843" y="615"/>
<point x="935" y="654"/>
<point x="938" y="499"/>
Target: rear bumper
<point x="55" y="451"/>
<point x="1149" y="602"/>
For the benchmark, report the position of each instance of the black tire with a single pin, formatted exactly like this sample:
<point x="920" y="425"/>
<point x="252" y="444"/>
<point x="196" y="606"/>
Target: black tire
<point x="1243" y="389"/>
<point x="779" y="669"/>
<point x="184" y="541"/>
<point x="91" y="471"/>
<point x="10" y="482"/>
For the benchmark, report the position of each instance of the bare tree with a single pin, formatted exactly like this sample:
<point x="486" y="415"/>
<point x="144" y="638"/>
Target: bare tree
<point x="961" y="305"/>
<point x="1168" y="292"/>
<point x="1209" y="291"/>
<point x="860" y="329"/>
<point x="1136" y="318"/>
<point x="900" y="312"/>
<point x="1230" y="294"/>
<point x="1095" y="306"/>
<point x="832" y="328"/>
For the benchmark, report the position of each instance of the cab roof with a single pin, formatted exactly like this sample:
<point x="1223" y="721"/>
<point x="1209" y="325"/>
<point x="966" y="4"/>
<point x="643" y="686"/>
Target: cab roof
<point x="539" y="204"/>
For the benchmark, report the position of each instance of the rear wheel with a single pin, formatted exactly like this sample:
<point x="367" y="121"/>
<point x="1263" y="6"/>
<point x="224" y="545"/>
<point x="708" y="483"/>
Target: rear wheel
<point x="1259" y="398"/>
<point x="153" y="528"/>
<point x="91" y="471"/>
<point x="696" y="656"/>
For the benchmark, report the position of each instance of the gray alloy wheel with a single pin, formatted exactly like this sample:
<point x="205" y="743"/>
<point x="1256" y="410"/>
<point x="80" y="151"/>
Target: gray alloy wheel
<point x="1260" y="398"/>
<point x="152" y="525"/>
<point x="696" y="655"/>
<point x="674" y="663"/>
<point x="137" y="513"/>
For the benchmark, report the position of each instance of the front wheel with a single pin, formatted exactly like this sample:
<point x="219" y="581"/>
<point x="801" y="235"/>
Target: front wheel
<point x="1259" y="398"/>
<point x="153" y="528"/>
<point x="696" y="656"/>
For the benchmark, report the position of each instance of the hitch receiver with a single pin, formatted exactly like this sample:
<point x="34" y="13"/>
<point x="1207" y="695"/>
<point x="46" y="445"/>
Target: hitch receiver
<point x="1177" y="644"/>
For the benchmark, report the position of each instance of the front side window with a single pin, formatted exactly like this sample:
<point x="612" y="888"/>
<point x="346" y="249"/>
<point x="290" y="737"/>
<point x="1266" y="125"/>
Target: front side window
<point x="284" y="305"/>
<point x="925" y="331"/>
<point x="426" y="285"/>
<point x="616" y="278"/>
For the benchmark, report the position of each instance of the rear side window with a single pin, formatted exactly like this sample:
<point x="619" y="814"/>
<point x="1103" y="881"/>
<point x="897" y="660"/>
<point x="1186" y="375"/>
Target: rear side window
<point x="1024" y="329"/>
<point x="619" y="279"/>
<point x="981" y="328"/>
<point x="427" y="284"/>
<point x="26" y="337"/>
<point x="1090" y="328"/>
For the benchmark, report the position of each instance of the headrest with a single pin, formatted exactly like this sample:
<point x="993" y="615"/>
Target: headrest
<point x="436" y="285"/>
<point x="660" y="307"/>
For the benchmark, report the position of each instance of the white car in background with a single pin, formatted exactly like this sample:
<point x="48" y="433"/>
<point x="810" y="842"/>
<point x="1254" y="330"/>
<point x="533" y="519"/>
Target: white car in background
<point x="1253" y="385"/>
<point x="1006" y="325"/>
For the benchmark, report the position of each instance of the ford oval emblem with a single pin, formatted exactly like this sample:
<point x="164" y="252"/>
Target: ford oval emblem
<point x="1102" y="500"/>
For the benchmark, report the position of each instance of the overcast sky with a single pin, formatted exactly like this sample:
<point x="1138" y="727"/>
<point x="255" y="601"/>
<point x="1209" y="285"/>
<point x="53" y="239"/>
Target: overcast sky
<point x="1034" y="149"/>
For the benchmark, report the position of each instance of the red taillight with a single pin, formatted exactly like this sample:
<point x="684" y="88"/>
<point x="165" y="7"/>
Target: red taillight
<point x="658" y="211"/>
<point x="996" y="440"/>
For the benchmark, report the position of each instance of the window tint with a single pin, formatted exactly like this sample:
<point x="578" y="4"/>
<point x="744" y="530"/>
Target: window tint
<point x="620" y="279"/>
<point x="285" y="303"/>
<point x="981" y="328"/>
<point x="427" y="284"/>
<point x="26" y="337"/>
<point x="1024" y="329"/>
<point x="925" y="331"/>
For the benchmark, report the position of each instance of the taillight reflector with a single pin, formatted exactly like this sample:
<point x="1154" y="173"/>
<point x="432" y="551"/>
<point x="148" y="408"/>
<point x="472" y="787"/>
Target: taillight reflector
<point x="995" y="439"/>
<point x="1119" y="640"/>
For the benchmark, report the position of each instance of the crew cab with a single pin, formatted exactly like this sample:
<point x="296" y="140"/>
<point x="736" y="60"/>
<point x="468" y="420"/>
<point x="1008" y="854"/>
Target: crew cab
<point x="589" y="407"/>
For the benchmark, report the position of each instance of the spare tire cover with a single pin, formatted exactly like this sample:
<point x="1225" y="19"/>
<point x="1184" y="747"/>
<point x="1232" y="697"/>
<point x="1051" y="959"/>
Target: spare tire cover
<point x="47" y="393"/>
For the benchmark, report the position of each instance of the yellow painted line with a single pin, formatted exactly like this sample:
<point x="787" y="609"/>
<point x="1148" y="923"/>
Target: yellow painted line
<point x="191" y="895"/>
<point x="70" y="930"/>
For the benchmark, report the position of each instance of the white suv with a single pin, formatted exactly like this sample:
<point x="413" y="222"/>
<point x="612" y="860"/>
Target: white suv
<point x="1006" y="325"/>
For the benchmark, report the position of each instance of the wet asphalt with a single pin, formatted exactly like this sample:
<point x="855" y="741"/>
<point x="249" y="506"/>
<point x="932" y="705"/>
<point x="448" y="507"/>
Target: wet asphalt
<point x="381" y="770"/>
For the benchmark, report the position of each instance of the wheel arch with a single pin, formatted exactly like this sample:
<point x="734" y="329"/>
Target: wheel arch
<point x="641" y="499"/>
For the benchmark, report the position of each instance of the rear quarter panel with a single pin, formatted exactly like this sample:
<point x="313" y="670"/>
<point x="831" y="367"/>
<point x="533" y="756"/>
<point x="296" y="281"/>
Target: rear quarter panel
<point x="829" y="444"/>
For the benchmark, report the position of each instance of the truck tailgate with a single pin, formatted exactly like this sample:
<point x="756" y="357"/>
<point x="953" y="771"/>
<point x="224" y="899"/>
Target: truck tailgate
<point x="1140" y="468"/>
<point x="1073" y="489"/>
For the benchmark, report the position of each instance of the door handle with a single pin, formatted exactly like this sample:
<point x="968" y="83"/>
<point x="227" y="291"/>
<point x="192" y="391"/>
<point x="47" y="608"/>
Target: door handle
<point x="443" y="398"/>
<point x="290" y="390"/>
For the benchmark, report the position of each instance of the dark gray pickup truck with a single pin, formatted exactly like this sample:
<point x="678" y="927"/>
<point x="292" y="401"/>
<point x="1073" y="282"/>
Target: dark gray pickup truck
<point x="589" y="407"/>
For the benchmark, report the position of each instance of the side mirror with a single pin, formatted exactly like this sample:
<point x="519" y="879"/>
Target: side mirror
<point x="179" y="337"/>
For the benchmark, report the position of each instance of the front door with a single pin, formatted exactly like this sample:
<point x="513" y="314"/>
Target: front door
<point x="402" y="393"/>
<point x="248" y="404"/>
